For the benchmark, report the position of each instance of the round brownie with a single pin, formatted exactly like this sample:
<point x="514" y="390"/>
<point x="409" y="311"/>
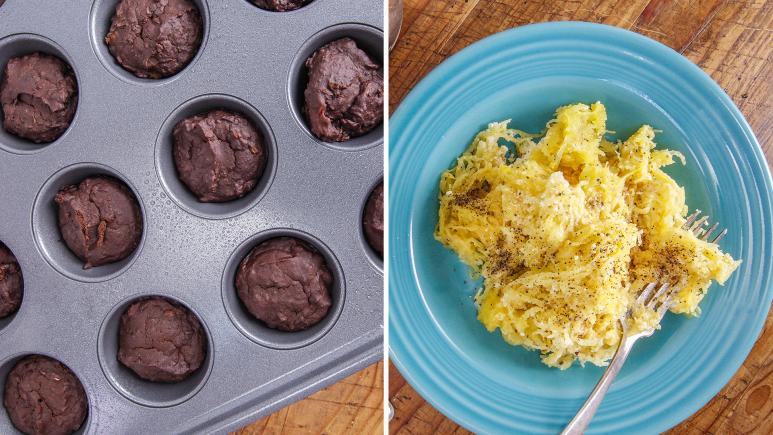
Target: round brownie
<point x="345" y="93"/>
<point x="160" y="340"/>
<point x="44" y="397"/>
<point x="285" y="283"/>
<point x="155" y="38"/>
<point x="373" y="219"/>
<point x="100" y="220"/>
<point x="219" y="155"/>
<point x="11" y="282"/>
<point x="281" y="5"/>
<point x="39" y="95"/>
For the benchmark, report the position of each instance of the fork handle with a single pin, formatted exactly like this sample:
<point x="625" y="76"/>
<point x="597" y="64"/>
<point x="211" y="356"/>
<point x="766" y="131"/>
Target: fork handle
<point x="584" y="416"/>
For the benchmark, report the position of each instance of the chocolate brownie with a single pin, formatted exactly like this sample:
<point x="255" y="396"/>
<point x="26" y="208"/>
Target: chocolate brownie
<point x="285" y="283"/>
<point x="161" y="341"/>
<point x="155" y="38"/>
<point x="11" y="282"/>
<point x="373" y="219"/>
<point x="100" y="220"/>
<point x="281" y="5"/>
<point x="219" y="155"/>
<point x="44" y="397"/>
<point x="39" y="96"/>
<point x="345" y="93"/>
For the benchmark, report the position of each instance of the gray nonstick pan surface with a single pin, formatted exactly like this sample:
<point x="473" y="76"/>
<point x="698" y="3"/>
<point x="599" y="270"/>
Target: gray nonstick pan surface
<point x="250" y="61"/>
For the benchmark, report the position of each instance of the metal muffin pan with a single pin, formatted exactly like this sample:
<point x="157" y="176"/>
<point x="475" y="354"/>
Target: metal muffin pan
<point x="250" y="61"/>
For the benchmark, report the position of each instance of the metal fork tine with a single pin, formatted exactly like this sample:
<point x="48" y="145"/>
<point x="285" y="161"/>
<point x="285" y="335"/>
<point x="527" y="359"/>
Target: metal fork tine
<point x="708" y="232"/>
<point x="719" y="237"/>
<point x="698" y="224"/>
<point x="666" y="303"/>
<point x="661" y="291"/>
<point x="664" y="298"/>
<point x="645" y="294"/>
<point x="691" y="219"/>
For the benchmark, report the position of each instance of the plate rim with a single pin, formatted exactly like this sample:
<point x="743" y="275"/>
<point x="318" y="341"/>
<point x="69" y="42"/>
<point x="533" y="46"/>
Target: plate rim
<point x="412" y="101"/>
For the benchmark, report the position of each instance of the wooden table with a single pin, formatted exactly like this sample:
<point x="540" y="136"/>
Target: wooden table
<point x="352" y="406"/>
<point x="731" y="40"/>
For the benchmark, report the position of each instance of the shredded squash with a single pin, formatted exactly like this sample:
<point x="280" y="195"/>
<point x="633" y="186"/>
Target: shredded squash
<point x="567" y="228"/>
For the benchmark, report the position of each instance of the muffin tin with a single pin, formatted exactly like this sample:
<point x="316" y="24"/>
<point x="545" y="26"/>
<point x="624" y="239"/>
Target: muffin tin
<point x="250" y="61"/>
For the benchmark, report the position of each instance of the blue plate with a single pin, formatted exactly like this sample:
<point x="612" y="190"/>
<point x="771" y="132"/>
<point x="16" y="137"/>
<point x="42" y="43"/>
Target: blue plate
<point x="525" y="74"/>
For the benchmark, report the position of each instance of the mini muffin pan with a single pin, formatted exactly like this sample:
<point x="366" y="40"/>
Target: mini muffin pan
<point x="250" y="61"/>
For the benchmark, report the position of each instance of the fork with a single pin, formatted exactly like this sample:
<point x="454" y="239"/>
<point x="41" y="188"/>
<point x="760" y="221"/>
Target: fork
<point x="660" y="302"/>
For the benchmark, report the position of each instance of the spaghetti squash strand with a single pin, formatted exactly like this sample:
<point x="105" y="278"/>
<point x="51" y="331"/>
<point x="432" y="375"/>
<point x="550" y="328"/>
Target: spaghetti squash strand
<point x="566" y="228"/>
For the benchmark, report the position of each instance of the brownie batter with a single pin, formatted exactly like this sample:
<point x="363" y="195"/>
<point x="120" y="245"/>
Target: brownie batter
<point x="100" y="220"/>
<point x="219" y="155"/>
<point x="44" y="397"/>
<point x="281" y="5"/>
<point x="285" y="283"/>
<point x="373" y="219"/>
<point x="11" y="282"/>
<point x="39" y="96"/>
<point x="160" y="340"/>
<point x="345" y="93"/>
<point x="155" y="38"/>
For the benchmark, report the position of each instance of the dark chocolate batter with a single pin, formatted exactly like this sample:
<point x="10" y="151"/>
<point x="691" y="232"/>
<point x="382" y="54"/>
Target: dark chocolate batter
<point x="373" y="219"/>
<point x="285" y="283"/>
<point x="345" y="93"/>
<point x="44" y="397"/>
<point x="100" y="220"/>
<point x="39" y="96"/>
<point x="281" y="5"/>
<point x="161" y="341"/>
<point x="11" y="282"/>
<point x="219" y="155"/>
<point x="155" y="38"/>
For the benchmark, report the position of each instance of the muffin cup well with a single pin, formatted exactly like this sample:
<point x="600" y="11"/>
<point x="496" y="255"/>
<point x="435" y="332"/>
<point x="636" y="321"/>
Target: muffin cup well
<point x="131" y="386"/>
<point x="6" y="426"/>
<point x="255" y="329"/>
<point x="302" y="8"/>
<point x="370" y="40"/>
<point x="20" y="45"/>
<point x="48" y="237"/>
<point x="375" y="259"/>
<point x="167" y="171"/>
<point x="5" y="321"/>
<point x="101" y="18"/>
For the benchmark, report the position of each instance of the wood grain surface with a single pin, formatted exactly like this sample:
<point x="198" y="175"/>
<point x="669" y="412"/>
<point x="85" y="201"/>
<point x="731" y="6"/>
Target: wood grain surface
<point x="731" y="40"/>
<point x="354" y="405"/>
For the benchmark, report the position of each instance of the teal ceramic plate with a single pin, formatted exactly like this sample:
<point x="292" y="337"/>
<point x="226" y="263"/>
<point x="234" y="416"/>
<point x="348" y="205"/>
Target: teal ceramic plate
<point x="524" y="74"/>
